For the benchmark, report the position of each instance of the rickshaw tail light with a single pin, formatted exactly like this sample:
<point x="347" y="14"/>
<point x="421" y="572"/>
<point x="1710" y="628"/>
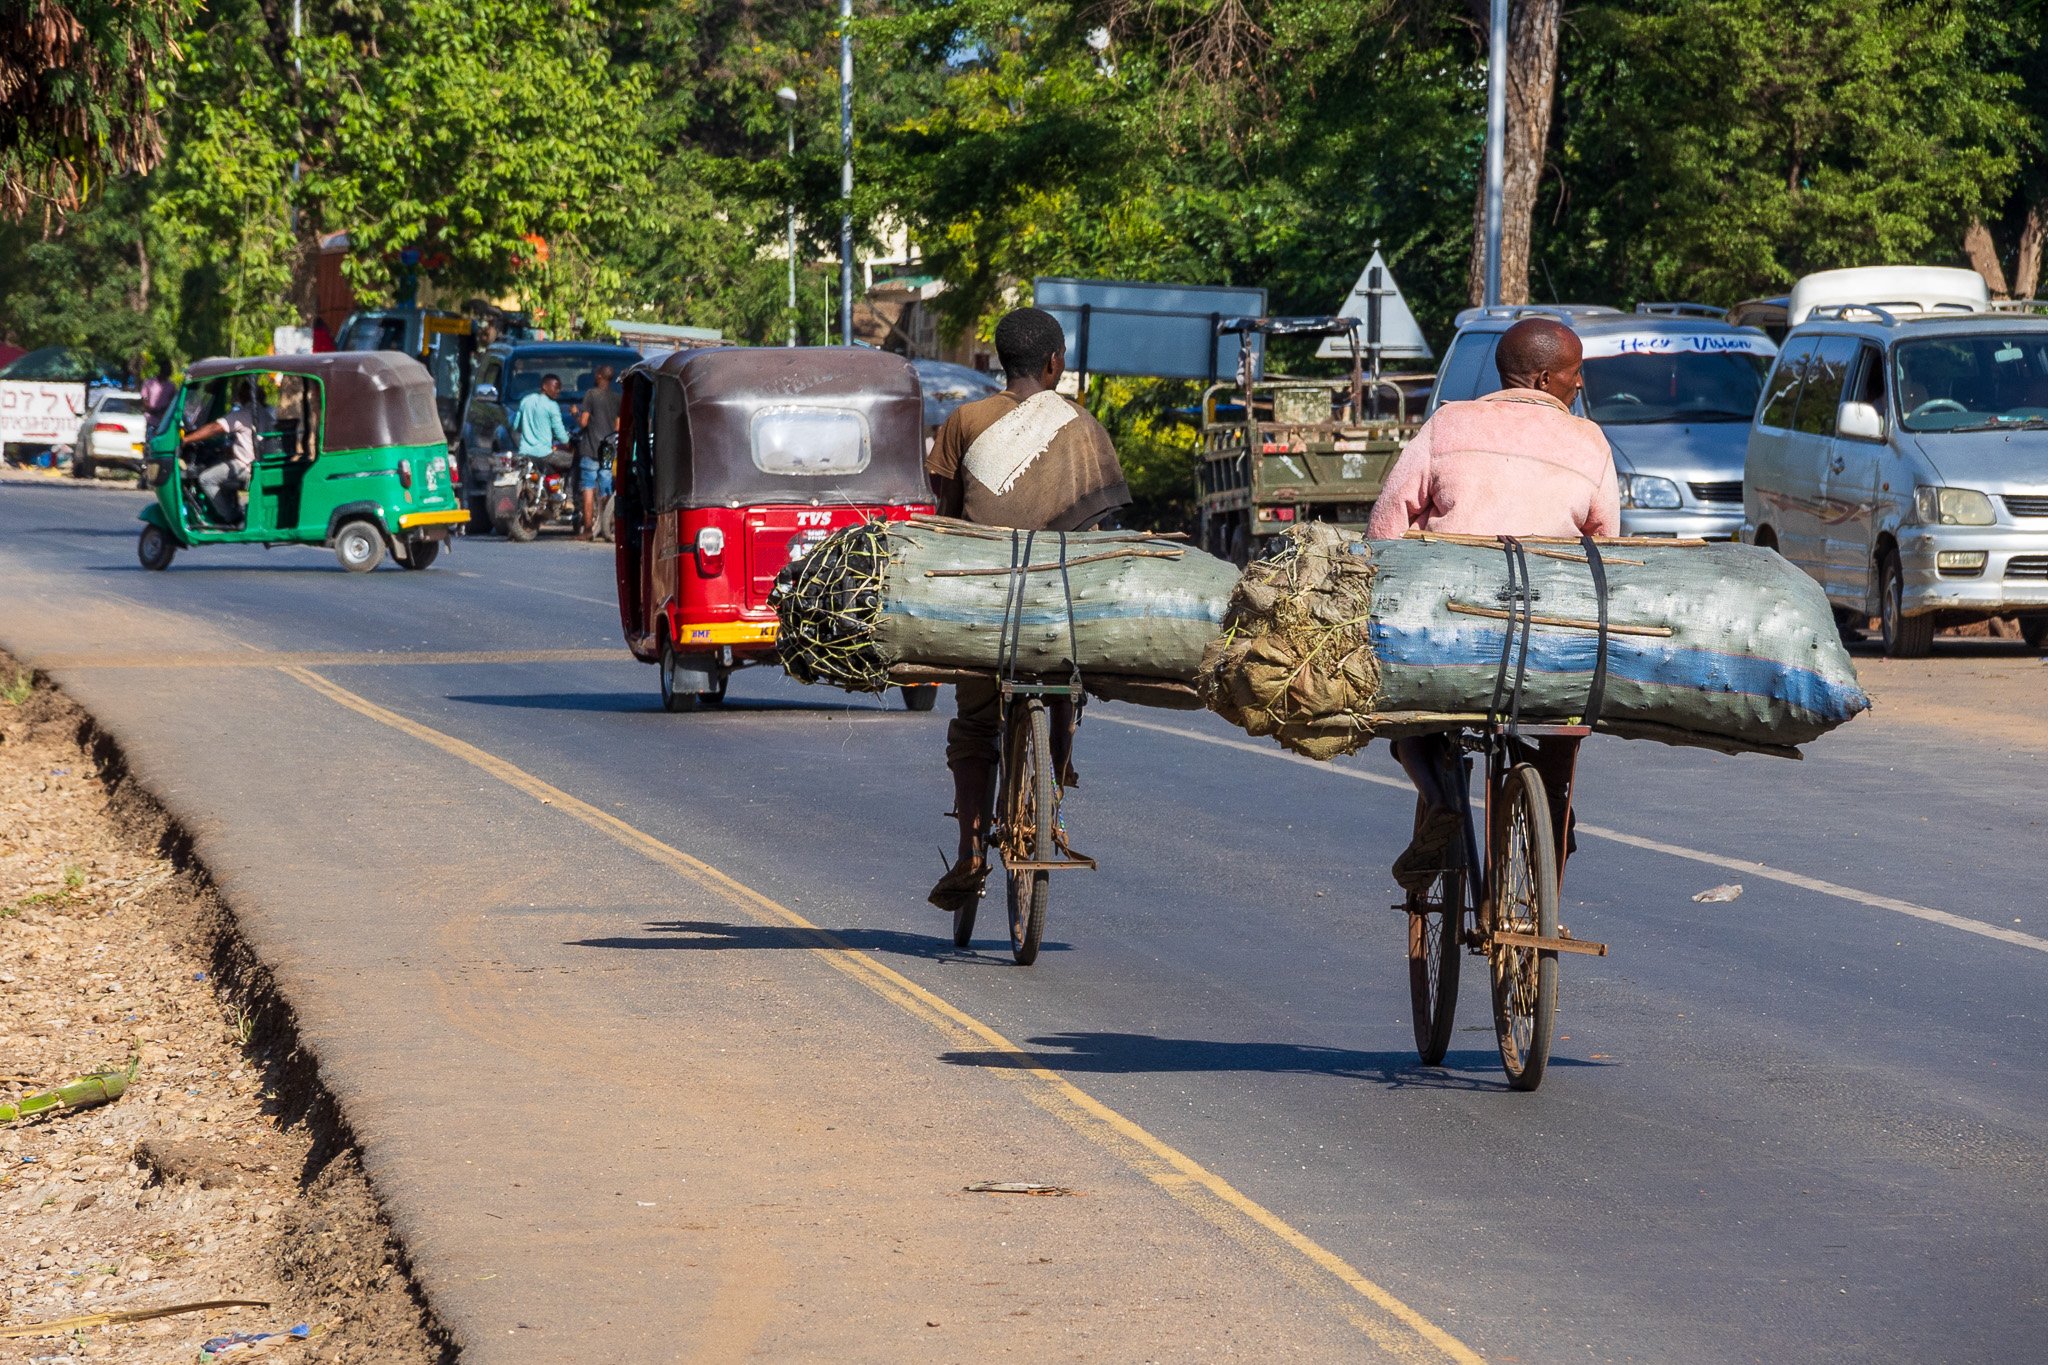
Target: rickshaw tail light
<point x="454" y="469"/>
<point x="710" y="551"/>
<point x="405" y="473"/>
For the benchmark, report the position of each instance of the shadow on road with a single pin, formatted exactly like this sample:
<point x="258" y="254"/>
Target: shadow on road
<point x="649" y="701"/>
<point x="124" y="532"/>
<point x="1139" y="1053"/>
<point x="711" y="935"/>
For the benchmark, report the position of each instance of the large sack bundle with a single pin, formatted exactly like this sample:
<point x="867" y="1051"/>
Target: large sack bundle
<point x="895" y="601"/>
<point x="1335" y="640"/>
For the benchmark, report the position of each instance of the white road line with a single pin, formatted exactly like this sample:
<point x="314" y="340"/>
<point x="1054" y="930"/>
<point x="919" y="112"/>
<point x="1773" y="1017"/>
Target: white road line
<point x="1753" y="869"/>
<point x="532" y="587"/>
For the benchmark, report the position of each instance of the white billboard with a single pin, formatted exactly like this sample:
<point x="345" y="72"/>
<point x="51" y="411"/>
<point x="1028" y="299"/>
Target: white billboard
<point x="40" y="412"/>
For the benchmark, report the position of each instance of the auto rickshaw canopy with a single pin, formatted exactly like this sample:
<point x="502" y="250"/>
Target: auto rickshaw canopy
<point x="735" y="426"/>
<point x="373" y="398"/>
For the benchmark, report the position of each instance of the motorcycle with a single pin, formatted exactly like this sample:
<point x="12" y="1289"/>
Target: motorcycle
<point x="532" y="491"/>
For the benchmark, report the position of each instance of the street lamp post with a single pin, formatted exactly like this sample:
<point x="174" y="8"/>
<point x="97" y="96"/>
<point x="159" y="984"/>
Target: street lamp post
<point x="1496" y="135"/>
<point x="846" y="170"/>
<point x="786" y="97"/>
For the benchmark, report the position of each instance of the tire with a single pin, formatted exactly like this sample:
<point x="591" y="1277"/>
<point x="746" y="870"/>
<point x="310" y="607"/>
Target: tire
<point x="155" y="548"/>
<point x="672" y="701"/>
<point x="1435" y="952"/>
<point x="920" y="698"/>
<point x="421" y="552"/>
<point x="2034" y="630"/>
<point x="1523" y="893"/>
<point x="359" y="546"/>
<point x="479" y="517"/>
<point x="963" y="923"/>
<point x="716" y="696"/>
<point x="1031" y="808"/>
<point x="518" y="528"/>
<point x="82" y="467"/>
<point x="1905" y="637"/>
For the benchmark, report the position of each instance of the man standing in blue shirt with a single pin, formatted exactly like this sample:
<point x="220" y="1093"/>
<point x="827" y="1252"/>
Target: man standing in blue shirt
<point x="538" y="420"/>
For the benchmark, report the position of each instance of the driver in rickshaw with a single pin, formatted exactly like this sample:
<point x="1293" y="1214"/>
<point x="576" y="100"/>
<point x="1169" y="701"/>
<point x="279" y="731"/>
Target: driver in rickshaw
<point x="241" y="424"/>
<point x="1028" y="459"/>
<point x="1514" y="463"/>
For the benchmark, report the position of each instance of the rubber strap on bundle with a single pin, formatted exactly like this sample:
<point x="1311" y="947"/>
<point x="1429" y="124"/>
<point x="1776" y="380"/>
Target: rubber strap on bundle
<point x="1597" y="688"/>
<point x="1013" y="605"/>
<point x="1522" y="595"/>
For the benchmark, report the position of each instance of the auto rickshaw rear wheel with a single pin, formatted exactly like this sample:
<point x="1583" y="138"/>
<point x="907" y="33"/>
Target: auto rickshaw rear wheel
<point x="420" y="552"/>
<point x="920" y="697"/>
<point x="155" y="547"/>
<point x="359" y="546"/>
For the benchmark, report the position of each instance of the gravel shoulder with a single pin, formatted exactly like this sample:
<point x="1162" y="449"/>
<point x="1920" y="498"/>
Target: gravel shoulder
<point x="220" y="1173"/>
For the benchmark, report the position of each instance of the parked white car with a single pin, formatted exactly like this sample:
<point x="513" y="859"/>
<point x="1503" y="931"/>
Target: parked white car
<point x="112" y="434"/>
<point x="1901" y="459"/>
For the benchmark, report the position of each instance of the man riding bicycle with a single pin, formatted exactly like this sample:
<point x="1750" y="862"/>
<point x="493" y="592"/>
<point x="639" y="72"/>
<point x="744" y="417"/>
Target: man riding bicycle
<point x="1514" y="463"/>
<point x="1028" y="459"/>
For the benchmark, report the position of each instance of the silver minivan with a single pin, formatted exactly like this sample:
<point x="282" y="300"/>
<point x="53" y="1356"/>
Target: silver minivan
<point x="1673" y="388"/>
<point x="1902" y="461"/>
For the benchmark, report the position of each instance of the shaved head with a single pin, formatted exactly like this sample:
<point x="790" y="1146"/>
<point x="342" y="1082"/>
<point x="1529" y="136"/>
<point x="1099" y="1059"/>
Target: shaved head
<point x="1540" y="353"/>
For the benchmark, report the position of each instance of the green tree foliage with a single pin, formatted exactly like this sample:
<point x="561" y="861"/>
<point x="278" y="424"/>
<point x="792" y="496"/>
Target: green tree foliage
<point x="1716" y="149"/>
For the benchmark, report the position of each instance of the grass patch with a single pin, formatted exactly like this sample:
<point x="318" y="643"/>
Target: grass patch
<point x="74" y="882"/>
<point x="19" y="688"/>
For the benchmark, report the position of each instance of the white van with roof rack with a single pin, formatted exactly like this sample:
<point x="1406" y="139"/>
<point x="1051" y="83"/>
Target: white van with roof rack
<point x="1900" y="454"/>
<point x="1673" y="388"/>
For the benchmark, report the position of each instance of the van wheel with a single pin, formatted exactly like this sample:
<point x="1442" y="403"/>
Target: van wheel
<point x="155" y="548"/>
<point x="82" y="467"/>
<point x="1905" y="637"/>
<point x="2034" y="630"/>
<point x="420" y="552"/>
<point x="359" y="546"/>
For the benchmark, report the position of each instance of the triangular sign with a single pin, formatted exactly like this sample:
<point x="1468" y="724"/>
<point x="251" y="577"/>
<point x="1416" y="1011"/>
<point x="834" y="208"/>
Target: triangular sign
<point x="1400" y="337"/>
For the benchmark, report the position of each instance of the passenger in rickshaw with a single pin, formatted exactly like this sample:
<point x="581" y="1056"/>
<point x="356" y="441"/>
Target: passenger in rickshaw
<point x="1027" y="458"/>
<point x="1514" y="463"/>
<point x="242" y="425"/>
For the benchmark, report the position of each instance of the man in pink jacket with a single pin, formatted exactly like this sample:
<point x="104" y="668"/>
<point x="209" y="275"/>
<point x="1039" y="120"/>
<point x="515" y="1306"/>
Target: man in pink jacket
<point x="1514" y="463"/>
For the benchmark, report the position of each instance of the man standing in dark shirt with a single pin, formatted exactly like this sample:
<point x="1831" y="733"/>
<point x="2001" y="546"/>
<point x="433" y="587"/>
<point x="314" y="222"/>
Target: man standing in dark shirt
<point x="1029" y="459"/>
<point x="600" y="410"/>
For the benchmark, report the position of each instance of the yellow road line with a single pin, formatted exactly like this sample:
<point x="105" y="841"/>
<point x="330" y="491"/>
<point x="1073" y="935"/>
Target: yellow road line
<point x="1391" y="1324"/>
<point x="1763" y="871"/>
<point x="256" y="658"/>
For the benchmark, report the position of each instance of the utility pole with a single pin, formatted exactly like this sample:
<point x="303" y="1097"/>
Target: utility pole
<point x="846" y="171"/>
<point x="1496" y="136"/>
<point x="786" y="97"/>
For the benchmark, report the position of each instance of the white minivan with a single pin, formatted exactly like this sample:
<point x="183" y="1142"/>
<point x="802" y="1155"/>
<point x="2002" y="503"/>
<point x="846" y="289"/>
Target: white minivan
<point x="1901" y="459"/>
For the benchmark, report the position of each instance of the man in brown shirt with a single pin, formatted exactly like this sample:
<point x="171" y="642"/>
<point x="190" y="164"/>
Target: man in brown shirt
<point x="1029" y="459"/>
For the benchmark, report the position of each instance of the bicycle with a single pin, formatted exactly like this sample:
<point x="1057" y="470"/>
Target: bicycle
<point x="1026" y="828"/>
<point x="1503" y="907"/>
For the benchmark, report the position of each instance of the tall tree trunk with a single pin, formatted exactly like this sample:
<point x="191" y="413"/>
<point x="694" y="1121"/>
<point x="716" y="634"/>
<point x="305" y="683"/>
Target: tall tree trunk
<point x="1983" y="256"/>
<point x="1531" y="92"/>
<point x="2026" y="273"/>
<point x="141" y="294"/>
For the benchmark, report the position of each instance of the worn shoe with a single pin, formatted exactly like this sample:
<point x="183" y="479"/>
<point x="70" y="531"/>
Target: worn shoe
<point x="961" y="886"/>
<point x="1428" y="852"/>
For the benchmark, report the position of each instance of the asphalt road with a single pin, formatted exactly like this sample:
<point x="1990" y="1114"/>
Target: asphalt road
<point x="1808" y="1124"/>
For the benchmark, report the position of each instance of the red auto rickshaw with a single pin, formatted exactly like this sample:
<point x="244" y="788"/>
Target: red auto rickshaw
<point x="733" y="461"/>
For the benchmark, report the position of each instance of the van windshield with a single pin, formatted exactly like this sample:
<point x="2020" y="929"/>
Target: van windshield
<point x="1974" y="382"/>
<point x="1638" y="390"/>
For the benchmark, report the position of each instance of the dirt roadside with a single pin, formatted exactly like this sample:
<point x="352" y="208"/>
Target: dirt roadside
<point x="1987" y="691"/>
<point x="222" y="1172"/>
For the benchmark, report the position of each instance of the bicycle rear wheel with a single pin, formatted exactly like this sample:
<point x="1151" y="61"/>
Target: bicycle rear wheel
<point x="1523" y="884"/>
<point x="1435" y="923"/>
<point x="1030" y="803"/>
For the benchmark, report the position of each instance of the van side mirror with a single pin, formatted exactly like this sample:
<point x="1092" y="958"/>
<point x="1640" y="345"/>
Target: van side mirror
<point x="485" y="393"/>
<point x="1860" y="422"/>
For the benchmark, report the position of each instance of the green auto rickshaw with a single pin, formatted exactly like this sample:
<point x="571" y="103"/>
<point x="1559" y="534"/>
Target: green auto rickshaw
<point x="341" y="449"/>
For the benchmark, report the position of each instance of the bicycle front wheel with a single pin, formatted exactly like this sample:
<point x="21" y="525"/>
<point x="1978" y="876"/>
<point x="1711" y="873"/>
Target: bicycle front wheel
<point x="1523" y="881"/>
<point x="1031" y="802"/>
<point x="1435" y="924"/>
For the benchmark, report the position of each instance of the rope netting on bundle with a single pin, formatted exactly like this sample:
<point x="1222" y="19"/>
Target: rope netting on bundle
<point x="830" y="607"/>
<point x="1294" y="660"/>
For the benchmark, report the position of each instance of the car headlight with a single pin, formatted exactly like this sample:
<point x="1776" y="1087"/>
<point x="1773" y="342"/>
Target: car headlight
<point x="1648" y="491"/>
<point x="1952" y="507"/>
